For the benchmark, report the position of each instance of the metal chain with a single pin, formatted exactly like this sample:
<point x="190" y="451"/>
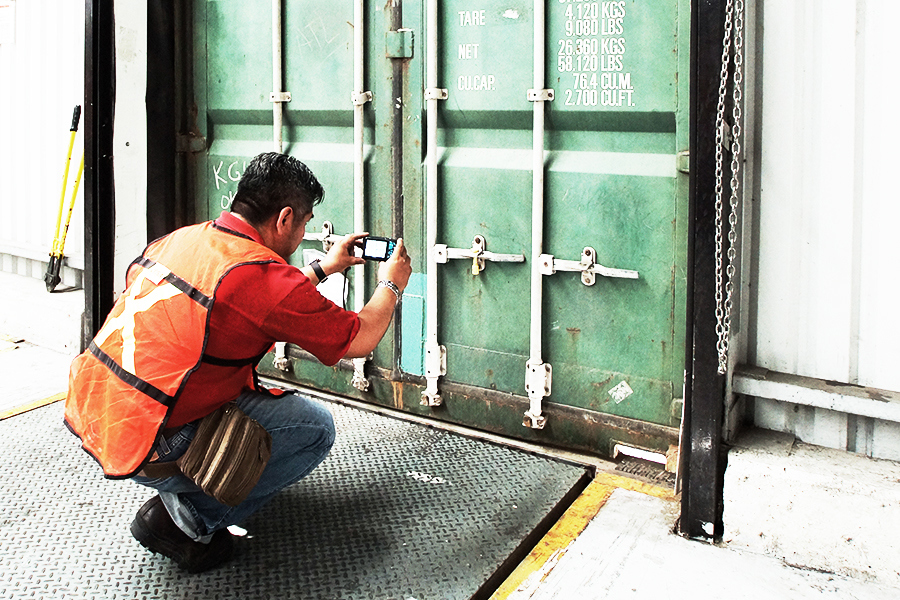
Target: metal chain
<point x="720" y="135"/>
<point x="736" y="158"/>
<point x="725" y="290"/>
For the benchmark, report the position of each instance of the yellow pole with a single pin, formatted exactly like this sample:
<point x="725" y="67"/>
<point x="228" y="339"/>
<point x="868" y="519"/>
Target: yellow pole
<point x="62" y="195"/>
<point x="51" y="277"/>
<point x="62" y="241"/>
<point x="76" y="116"/>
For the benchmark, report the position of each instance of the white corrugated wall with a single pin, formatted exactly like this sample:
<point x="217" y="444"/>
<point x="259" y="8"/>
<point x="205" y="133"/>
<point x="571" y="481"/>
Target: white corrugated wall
<point x="41" y="81"/>
<point x="824" y="288"/>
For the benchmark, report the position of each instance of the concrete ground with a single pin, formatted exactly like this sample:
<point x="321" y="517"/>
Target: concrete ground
<point x="800" y="521"/>
<point x="818" y="509"/>
<point x="39" y="336"/>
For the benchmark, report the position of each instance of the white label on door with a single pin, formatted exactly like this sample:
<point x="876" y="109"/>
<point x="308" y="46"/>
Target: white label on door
<point x="620" y="392"/>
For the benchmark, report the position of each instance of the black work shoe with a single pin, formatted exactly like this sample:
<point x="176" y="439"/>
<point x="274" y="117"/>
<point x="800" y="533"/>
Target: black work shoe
<point x="157" y="532"/>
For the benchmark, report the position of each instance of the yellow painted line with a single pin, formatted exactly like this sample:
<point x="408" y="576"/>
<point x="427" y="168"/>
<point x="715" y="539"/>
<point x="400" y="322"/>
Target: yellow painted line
<point x="18" y="410"/>
<point x="552" y="547"/>
<point x="626" y="483"/>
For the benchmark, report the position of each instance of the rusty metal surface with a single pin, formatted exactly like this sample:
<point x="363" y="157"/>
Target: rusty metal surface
<point x="499" y="412"/>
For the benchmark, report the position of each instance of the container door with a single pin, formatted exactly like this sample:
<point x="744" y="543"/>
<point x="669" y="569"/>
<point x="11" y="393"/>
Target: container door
<point x="234" y="82"/>
<point x="612" y="212"/>
<point x="611" y="253"/>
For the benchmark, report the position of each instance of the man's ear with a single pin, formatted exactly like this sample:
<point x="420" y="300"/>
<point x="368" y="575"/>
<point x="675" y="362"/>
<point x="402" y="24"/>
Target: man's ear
<point x="285" y="218"/>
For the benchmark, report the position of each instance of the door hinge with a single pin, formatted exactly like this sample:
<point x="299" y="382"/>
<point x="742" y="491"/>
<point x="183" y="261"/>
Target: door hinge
<point x="683" y="161"/>
<point x="190" y="143"/>
<point x="399" y="43"/>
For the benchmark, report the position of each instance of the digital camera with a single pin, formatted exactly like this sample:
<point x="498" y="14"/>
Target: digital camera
<point x="377" y="248"/>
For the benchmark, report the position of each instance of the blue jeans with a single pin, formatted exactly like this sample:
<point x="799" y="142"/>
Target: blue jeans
<point x="302" y="435"/>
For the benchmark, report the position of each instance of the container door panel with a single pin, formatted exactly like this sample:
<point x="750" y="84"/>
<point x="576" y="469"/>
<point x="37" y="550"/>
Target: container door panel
<point x="483" y="326"/>
<point x="614" y="129"/>
<point x="485" y="189"/>
<point x="233" y="78"/>
<point x="619" y="119"/>
<point x="234" y="94"/>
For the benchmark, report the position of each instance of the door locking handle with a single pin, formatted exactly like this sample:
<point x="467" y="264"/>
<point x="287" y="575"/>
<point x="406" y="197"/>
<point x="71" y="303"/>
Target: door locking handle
<point x="477" y="253"/>
<point x="587" y="266"/>
<point x="327" y="237"/>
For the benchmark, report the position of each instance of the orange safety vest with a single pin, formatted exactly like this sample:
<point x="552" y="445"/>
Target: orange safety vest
<point x="123" y="388"/>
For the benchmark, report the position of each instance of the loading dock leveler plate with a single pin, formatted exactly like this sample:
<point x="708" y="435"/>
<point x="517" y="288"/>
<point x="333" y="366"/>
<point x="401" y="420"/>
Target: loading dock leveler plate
<point x="398" y="510"/>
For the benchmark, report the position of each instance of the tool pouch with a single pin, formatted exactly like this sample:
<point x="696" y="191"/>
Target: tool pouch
<point x="225" y="458"/>
<point x="227" y="455"/>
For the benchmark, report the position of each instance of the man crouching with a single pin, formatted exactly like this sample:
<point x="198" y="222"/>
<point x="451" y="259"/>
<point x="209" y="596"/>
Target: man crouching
<point x="167" y="393"/>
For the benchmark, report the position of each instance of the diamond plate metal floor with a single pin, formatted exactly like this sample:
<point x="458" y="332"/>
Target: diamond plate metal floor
<point x="397" y="511"/>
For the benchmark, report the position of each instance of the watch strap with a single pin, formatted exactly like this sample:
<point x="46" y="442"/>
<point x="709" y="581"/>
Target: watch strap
<point x="387" y="283"/>
<point x="318" y="270"/>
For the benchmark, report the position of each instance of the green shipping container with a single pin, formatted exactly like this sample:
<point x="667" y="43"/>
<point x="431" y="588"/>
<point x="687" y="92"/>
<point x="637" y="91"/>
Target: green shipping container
<point x="527" y="153"/>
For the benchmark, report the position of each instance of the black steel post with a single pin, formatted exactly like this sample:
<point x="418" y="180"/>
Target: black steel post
<point x="161" y="117"/>
<point x="189" y="144"/>
<point x="99" y="193"/>
<point x="702" y="453"/>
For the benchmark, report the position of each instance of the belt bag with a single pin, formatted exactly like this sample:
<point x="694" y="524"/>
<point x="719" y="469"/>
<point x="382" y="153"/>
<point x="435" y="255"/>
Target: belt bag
<point x="226" y="457"/>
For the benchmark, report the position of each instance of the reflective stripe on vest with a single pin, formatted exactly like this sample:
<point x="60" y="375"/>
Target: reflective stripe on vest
<point x="123" y="387"/>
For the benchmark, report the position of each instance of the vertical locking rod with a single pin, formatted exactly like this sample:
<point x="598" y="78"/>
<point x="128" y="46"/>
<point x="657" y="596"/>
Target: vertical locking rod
<point x="359" y="380"/>
<point x="535" y="365"/>
<point x="435" y="356"/>
<point x="397" y="87"/>
<point x="280" y="360"/>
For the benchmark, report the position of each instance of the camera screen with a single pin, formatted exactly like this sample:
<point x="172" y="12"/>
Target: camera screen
<point x="376" y="248"/>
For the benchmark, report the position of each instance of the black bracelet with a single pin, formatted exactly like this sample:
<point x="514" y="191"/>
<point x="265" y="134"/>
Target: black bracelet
<point x="318" y="270"/>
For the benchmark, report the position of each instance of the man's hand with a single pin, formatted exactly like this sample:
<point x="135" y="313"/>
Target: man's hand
<point x="376" y="315"/>
<point x="397" y="268"/>
<point x="341" y="255"/>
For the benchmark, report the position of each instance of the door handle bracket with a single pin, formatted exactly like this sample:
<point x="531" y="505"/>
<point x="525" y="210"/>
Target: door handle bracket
<point x="587" y="266"/>
<point x="478" y="254"/>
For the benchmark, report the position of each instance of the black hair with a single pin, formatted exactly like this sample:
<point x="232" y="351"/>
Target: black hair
<point x="273" y="181"/>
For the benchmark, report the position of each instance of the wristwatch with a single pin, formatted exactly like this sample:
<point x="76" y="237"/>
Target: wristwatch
<point x="387" y="283"/>
<point x="318" y="270"/>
